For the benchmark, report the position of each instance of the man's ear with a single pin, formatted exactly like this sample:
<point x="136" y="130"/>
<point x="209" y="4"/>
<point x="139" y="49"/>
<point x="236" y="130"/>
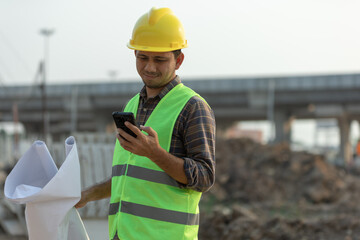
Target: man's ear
<point x="179" y="61"/>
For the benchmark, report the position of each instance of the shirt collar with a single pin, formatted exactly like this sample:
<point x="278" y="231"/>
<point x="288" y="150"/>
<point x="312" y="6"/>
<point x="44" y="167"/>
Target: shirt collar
<point x="165" y="90"/>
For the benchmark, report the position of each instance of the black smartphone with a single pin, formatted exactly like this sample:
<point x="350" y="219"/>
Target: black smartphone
<point x="121" y="117"/>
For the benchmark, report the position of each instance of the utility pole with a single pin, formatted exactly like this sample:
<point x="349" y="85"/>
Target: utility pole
<point x="16" y="131"/>
<point x="44" y="69"/>
<point x="270" y="109"/>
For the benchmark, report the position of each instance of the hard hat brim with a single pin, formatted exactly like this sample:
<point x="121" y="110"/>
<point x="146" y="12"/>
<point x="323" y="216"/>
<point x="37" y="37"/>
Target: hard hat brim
<point x="154" y="49"/>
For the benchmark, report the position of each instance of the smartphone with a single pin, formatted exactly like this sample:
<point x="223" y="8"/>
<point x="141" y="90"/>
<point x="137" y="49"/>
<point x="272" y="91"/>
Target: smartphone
<point x="121" y="117"/>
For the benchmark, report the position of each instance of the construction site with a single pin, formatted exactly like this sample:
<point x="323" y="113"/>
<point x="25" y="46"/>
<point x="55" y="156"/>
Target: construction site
<point x="262" y="191"/>
<point x="281" y="80"/>
<point x="265" y="188"/>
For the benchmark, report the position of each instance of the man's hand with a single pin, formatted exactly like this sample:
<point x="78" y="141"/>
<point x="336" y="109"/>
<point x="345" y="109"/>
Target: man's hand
<point x="83" y="200"/>
<point x="147" y="145"/>
<point x="96" y="192"/>
<point x="143" y="145"/>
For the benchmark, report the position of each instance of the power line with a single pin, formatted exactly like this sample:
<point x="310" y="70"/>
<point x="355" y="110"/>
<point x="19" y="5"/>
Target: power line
<point x="29" y="94"/>
<point x="5" y="69"/>
<point x="14" y="51"/>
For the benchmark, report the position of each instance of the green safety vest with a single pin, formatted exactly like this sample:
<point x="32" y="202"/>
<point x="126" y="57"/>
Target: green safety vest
<point x="146" y="203"/>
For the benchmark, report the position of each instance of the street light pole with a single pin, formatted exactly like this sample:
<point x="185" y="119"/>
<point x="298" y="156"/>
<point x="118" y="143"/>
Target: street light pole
<point x="44" y="67"/>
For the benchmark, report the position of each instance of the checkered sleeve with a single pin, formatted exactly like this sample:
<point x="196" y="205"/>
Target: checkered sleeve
<point x="196" y="140"/>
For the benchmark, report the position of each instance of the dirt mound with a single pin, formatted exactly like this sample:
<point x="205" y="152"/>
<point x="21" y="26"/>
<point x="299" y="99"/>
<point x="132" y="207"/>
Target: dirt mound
<point x="231" y="224"/>
<point x="271" y="192"/>
<point x="250" y="172"/>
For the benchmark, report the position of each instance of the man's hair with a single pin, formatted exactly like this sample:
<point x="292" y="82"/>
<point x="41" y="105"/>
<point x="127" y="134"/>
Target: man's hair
<point x="176" y="53"/>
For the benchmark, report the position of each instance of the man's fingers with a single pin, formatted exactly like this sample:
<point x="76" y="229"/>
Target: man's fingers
<point x="133" y="128"/>
<point x="80" y="205"/>
<point x="148" y="130"/>
<point x="123" y="142"/>
<point x="125" y="135"/>
<point x="82" y="202"/>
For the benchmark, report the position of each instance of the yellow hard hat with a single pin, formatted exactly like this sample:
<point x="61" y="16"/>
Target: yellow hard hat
<point x="159" y="30"/>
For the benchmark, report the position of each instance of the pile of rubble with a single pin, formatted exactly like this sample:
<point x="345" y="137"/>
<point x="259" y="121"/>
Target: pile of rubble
<point x="232" y="224"/>
<point x="271" y="192"/>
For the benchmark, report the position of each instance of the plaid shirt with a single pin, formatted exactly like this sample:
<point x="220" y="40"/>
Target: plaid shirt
<point x="193" y="137"/>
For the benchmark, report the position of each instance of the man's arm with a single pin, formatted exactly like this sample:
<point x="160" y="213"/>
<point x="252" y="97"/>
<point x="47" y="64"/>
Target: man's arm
<point x="96" y="192"/>
<point x="194" y="141"/>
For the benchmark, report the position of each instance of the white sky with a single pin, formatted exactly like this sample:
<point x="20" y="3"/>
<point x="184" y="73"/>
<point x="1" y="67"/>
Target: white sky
<point x="226" y="38"/>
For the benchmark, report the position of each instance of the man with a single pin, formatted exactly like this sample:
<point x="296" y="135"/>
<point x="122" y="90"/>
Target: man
<point x="158" y="177"/>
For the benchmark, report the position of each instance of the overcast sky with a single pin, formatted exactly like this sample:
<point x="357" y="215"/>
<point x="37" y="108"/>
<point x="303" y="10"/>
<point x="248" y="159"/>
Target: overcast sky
<point x="226" y="38"/>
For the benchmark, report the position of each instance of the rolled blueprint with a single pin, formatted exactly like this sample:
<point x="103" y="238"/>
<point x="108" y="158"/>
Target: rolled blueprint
<point x="49" y="194"/>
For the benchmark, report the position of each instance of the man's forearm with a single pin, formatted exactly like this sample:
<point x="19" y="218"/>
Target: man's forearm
<point x="171" y="164"/>
<point x="99" y="191"/>
<point x="96" y="192"/>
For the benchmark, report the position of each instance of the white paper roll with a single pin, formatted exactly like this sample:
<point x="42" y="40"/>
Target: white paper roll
<point x="49" y="194"/>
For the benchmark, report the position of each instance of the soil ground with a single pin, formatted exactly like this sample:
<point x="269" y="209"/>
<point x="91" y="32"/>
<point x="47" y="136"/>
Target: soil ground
<point x="270" y="192"/>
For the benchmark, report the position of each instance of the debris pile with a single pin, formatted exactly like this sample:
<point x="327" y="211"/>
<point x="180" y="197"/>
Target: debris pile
<point x="271" y="192"/>
<point x="230" y="225"/>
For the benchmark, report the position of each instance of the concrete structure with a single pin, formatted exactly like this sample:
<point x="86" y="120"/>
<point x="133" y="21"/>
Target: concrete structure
<point x="88" y="107"/>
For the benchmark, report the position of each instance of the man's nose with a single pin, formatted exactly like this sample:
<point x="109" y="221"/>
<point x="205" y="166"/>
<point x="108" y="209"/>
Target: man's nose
<point x="150" y="66"/>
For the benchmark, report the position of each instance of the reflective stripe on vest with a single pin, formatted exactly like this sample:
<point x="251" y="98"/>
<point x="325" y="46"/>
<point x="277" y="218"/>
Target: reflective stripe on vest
<point x="146" y="203"/>
<point x="155" y="213"/>
<point x="144" y="174"/>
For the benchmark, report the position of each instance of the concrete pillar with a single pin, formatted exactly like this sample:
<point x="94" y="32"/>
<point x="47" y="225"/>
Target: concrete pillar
<point x="282" y="123"/>
<point x="345" y="152"/>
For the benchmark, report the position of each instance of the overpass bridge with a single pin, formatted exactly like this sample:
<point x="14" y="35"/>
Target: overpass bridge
<point x="88" y="107"/>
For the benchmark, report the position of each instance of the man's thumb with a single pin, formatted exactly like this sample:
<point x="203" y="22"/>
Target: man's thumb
<point x="148" y="130"/>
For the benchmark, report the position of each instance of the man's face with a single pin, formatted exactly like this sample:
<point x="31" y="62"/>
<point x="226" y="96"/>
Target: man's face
<point x="157" y="68"/>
